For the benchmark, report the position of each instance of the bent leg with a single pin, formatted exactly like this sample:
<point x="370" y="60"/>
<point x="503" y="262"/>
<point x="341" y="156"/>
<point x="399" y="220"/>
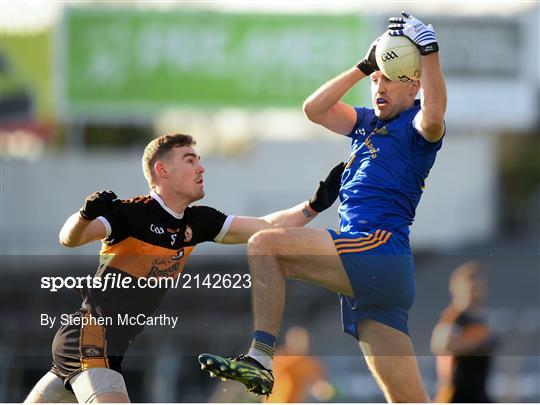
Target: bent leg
<point x="310" y="255"/>
<point x="99" y="385"/>
<point x="50" y="388"/>
<point x="390" y="356"/>
<point x="299" y="253"/>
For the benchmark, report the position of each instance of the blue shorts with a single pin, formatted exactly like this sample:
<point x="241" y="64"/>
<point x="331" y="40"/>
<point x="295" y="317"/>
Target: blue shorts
<point x="380" y="268"/>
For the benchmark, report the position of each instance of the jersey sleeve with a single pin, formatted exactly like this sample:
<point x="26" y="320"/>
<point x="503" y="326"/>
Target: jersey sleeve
<point x="116" y="223"/>
<point x="361" y="113"/>
<point x="213" y="224"/>
<point x="420" y="143"/>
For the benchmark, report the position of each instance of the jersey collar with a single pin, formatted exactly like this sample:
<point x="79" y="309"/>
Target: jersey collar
<point x="156" y="197"/>
<point x="415" y="105"/>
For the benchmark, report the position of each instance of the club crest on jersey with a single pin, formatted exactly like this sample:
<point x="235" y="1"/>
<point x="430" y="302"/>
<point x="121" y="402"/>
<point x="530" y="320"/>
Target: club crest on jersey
<point x="381" y="131"/>
<point x="188" y="234"/>
<point x="179" y="254"/>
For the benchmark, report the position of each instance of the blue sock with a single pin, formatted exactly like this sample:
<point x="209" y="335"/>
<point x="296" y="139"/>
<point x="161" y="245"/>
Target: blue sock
<point x="263" y="347"/>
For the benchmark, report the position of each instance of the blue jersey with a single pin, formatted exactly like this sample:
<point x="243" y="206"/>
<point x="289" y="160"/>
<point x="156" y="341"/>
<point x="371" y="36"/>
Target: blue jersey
<point x="384" y="177"/>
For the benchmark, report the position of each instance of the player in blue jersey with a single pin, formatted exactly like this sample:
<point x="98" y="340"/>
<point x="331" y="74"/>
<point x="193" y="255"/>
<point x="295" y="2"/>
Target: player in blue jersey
<point x="368" y="261"/>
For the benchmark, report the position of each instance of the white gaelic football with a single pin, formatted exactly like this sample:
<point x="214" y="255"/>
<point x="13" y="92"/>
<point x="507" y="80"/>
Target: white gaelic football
<point x="398" y="58"/>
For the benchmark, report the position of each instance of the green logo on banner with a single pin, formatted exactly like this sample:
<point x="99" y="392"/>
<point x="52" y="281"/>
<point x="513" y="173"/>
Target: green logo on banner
<point x="121" y="61"/>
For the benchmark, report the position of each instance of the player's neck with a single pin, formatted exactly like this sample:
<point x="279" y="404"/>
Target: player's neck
<point x="468" y="306"/>
<point x="172" y="201"/>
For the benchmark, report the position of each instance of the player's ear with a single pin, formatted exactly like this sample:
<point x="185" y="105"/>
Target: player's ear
<point x="161" y="170"/>
<point x="414" y="87"/>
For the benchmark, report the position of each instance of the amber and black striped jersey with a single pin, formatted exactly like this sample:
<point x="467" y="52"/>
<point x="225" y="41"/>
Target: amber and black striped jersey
<point x="146" y="239"/>
<point x="469" y="372"/>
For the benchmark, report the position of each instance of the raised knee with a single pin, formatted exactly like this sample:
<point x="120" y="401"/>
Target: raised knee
<point x="262" y="243"/>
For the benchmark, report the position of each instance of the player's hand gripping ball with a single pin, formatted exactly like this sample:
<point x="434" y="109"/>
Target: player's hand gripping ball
<point x="398" y="51"/>
<point x="422" y="35"/>
<point x="368" y="65"/>
<point x="98" y="203"/>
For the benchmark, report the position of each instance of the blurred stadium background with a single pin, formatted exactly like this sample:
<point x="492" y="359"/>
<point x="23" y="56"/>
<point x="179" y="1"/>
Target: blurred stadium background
<point x="85" y="85"/>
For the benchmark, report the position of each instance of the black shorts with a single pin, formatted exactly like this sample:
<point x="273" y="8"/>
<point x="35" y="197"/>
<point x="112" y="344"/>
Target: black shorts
<point x="77" y="348"/>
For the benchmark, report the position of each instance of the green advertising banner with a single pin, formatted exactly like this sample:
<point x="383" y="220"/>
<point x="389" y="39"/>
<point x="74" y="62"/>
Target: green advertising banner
<point x="127" y="61"/>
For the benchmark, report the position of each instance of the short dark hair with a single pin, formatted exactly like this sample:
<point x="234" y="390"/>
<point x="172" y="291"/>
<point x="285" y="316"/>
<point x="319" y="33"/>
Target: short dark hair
<point x="467" y="271"/>
<point x="158" y="149"/>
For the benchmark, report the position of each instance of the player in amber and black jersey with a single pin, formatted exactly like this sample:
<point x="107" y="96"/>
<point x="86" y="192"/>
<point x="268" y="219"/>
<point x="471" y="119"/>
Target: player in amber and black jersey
<point x="150" y="236"/>
<point x="463" y="343"/>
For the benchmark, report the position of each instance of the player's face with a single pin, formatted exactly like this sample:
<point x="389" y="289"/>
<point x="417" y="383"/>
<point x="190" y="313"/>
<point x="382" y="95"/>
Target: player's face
<point x="389" y="97"/>
<point x="478" y="290"/>
<point x="186" y="173"/>
<point x="470" y="291"/>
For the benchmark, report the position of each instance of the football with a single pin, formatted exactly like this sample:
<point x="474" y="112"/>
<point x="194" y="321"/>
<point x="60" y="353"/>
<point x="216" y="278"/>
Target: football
<point x="398" y="58"/>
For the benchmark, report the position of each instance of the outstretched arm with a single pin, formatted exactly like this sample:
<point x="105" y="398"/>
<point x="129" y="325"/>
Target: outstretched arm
<point x="431" y="117"/>
<point x="324" y="106"/>
<point x="83" y="227"/>
<point x="77" y="231"/>
<point x="242" y="228"/>
<point x="448" y="339"/>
